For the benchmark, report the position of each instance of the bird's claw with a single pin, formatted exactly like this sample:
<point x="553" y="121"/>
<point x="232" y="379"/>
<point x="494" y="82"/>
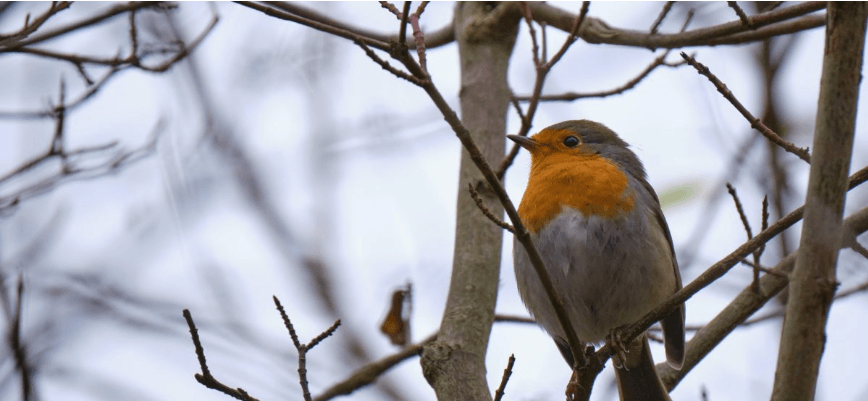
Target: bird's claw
<point x="573" y="387"/>
<point x="619" y="351"/>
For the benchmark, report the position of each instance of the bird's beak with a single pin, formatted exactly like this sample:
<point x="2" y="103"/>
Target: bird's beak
<point x="524" y="141"/>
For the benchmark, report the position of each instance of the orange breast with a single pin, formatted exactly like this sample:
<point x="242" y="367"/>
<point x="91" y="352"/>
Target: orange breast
<point x="585" y="182"/>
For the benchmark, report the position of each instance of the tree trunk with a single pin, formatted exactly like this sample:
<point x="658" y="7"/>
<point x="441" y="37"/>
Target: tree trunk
<point x="455" y="363"/>
<point x="812" y="284"/>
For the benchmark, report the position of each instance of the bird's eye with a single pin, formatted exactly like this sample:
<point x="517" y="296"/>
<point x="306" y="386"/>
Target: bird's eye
<point x="571" y="141"/>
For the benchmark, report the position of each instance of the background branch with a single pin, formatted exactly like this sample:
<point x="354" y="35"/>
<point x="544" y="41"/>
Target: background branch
<point x="597" y="31"/>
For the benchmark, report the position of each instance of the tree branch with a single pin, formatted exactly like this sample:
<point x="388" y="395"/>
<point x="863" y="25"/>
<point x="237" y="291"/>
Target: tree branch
<point x="293" y="12"/>
<point x="112" y="12"/>
<point x="755" y="123"/>
<point x="718" y="269"/>
<point x="597" y="31"/>
<point x="747" y="303"/>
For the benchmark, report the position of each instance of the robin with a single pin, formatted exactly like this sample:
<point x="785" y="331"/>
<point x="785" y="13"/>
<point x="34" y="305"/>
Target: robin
<point x="599" y="229"/>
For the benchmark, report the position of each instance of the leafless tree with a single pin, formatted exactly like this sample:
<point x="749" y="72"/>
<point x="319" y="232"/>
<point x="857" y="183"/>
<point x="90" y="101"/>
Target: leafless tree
<point x="484" y="35"/>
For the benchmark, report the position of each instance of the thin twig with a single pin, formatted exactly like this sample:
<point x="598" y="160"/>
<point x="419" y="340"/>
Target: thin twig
<point x="571" y="96"/>
<point x="366" y="375"/>
<point x="542" y="70"/>
<point x="758" y="268"/>
<point x="755" y="123"/>
<point x="402" y="31"/>
<point x="284" y="9"/>
<point x="513" y="319"/>
<point x="421" y="8"/>
<point x="286" y="323"/>
<point x="16" y="343"/>
<point x="391" y="7"/>
<point x="507" y="372"/>
<point x="740" y="209"/>
<point x="765" y="225"/>
<point x="134" y="35"/>
<point x="741" y="15"/>
<point x="303" y="348"/>
<point x="583" y="12"/>
<point x="659" y="61"/>
<point x="521" y="233"/>
<point x="327" y="333"/>
<point x="481" y="205"/>
<point x="337" y="30"/>
<point x="528" y="19"/>
<point x="419" y="38"/>
<point x="76" y="164"/>
<point x="110" y="13"/>
<point x="744" y="221"/>
<point x="117" y="64"/>
<point x="597" y="31"/>
<point x="32" y="25"/>
<point x="717" y="271"/>
<point x="386" y="66"/>
<point x="656" y="25"/>
<point x="205" y="378"/>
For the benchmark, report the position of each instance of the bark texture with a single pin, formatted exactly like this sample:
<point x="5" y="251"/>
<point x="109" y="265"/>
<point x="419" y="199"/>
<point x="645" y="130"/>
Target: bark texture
<point x="454" y="364"/>
<point x="813" y="283"/>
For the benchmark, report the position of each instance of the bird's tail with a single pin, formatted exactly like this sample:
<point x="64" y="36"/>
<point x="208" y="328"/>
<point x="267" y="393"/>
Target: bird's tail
<point x="637" y="378"/>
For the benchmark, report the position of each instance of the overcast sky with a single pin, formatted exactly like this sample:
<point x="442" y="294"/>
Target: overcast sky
<point x="359" y="171"/>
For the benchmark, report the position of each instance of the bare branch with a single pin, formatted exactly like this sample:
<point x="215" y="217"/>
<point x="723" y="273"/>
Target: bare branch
<point x="419" y="38"/>
<point x="748" y="301"/>
<point x="507" y="372"/>
<point x="765" y="225"/>
<point x="30" y="26"/>
<point x="321" y="22"/>
<point x="370" y="372"/>
<point x="755" y="123"/>
<point x="758" y="268"/>
<point x="571" y="96"/>
<point x="583" y="13"/>
<point x="78" y="165"/>
<point x="542" y="70"/>
<point x="388" y="67"/>
<point x="660" y="17"/>
<point x="88" y="93"/>
<point x="286" y="322"/>
<point x="402" y="31"/>
<point x="392" y="9"/>
<point x="741" y="15"/>
<point x="597" y="31"/>
<point x="112" y="12"/>
<point x="117" y="64"/>
<point x="326" y="334"/>
<point x="303" y="348"/>
<point x="16" y="343"/>
<point x="720" y="268"/>
<point x="486" y="212"/>
<point x="746" y="224"/>
<point x="205" y="378"/>
<point x="739" y="209"/>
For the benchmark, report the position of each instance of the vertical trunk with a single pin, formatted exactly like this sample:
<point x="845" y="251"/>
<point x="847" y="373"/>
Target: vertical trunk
<point x="812" y="285"/>
<point x="455" y="363"/>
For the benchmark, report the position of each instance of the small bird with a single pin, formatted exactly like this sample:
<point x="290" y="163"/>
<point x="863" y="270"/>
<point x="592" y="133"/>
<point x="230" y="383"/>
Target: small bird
<point x="598" y="226"/>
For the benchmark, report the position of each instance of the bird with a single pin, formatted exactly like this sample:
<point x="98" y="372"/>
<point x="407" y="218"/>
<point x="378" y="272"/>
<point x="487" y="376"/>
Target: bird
<point x="600" y="231"/>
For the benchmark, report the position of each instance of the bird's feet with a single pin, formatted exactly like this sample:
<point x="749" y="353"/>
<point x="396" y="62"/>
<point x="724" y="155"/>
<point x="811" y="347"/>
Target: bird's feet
<point x="618" y="350"/>
<point x="573" y="387"/>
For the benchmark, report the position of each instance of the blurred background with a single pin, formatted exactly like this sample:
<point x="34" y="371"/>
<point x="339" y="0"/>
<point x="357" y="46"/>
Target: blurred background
<point x="279" y="160"/>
